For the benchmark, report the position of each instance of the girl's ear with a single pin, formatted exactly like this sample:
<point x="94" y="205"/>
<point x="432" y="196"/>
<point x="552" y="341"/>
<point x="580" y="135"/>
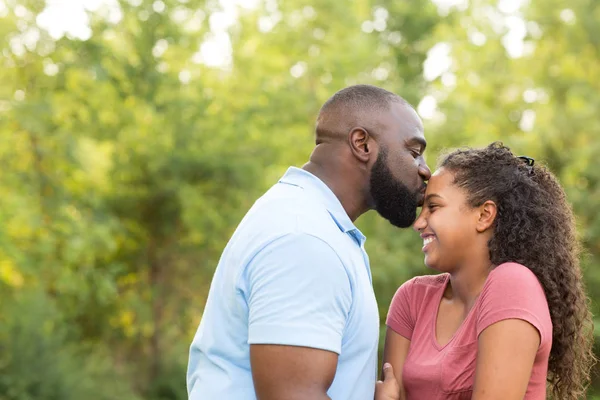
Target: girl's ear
<point x="487" y="216"/>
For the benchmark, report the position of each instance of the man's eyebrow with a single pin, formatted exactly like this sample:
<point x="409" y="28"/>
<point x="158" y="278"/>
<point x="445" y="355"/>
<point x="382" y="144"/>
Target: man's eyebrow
<point x="418" y="140"/>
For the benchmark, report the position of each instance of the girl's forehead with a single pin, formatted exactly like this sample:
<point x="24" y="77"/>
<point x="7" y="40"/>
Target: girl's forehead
<point x="442" y="184"/>
<point x="439" y="171"/>
<point x="440" y="177"/>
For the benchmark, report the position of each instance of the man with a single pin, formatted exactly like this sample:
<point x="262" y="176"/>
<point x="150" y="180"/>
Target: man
<point x="291" y="312"/>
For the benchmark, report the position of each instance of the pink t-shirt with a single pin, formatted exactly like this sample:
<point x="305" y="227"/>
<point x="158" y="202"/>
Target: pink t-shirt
<point x="446" y="372"/>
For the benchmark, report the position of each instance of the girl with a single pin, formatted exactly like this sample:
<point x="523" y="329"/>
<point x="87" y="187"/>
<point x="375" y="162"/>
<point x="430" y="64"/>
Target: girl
<point x="509" y="312"/>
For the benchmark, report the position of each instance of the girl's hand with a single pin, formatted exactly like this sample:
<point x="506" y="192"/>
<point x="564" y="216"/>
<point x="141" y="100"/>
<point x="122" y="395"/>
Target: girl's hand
<point x="388" y="389"/>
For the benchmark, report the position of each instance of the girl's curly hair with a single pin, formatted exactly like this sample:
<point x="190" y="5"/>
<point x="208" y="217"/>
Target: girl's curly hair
<point x="535" y="227"/>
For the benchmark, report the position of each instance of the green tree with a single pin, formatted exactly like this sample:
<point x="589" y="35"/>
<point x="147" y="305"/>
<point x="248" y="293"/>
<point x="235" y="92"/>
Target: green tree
<point x="129" y="158"/>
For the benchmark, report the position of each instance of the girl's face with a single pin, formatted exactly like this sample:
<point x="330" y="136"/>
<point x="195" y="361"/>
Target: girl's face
<point x="450" y="227"/>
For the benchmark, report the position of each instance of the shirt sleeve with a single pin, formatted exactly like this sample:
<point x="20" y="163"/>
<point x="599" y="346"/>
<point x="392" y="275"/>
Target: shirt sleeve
<point x="513" y="292"/>
<point x="298" y="294"/>
<point x="400" y="317"/>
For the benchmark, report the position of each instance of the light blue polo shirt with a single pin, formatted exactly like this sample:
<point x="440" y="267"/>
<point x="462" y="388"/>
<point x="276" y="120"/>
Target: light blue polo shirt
<point x="295" y="272"/>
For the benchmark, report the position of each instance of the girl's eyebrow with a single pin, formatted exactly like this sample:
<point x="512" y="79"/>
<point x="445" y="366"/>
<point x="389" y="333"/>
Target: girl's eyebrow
<point x="430" y="195"/>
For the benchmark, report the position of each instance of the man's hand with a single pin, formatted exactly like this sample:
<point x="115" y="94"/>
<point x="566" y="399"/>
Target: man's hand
<point x="388" y="389"/>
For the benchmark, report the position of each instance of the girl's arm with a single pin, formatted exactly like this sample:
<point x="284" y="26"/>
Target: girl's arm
<point x="505" y="355"/>
<point x="395" y="352"/>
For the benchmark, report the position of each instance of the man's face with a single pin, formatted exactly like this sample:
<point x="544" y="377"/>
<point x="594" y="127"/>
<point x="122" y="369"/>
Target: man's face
<point x="397" y="182"/>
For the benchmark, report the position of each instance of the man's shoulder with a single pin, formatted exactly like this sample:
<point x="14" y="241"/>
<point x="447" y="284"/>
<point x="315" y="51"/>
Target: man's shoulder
<point x="278" y="214"/>
<point x="289" y="210"/>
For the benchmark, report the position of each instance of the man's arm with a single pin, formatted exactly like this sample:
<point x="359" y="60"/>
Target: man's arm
<point x="299" y="297"/>
<point x="291" y="373"/>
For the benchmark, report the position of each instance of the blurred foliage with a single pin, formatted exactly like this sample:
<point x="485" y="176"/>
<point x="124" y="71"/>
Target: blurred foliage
<point x="127" y="161"/>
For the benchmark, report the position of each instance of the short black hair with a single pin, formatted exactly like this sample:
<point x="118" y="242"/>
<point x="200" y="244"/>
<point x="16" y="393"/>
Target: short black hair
<point x="352" y="106"/>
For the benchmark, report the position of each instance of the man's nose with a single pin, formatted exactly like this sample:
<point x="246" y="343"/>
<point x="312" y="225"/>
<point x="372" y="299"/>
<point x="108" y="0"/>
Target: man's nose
<point x="424" y="171"/>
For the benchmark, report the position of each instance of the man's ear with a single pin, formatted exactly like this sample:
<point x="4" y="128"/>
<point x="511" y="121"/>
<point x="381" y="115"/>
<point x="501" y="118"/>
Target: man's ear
<point x="361" y="144"/>
<point x="487" y="215"/>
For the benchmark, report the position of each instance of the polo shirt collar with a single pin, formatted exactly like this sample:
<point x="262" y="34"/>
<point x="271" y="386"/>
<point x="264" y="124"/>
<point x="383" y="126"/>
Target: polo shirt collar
<point x="315" y="186"/>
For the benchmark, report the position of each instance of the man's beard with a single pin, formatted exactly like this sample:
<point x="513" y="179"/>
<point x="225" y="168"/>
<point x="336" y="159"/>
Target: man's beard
<point x="393" y="199"/>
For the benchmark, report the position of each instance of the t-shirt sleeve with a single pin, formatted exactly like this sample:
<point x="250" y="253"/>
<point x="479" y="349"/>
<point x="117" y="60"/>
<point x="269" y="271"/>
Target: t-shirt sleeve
<point x="513" y="292"/>
<point x="298" y="294"/>
<point x="400" y="317"/>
